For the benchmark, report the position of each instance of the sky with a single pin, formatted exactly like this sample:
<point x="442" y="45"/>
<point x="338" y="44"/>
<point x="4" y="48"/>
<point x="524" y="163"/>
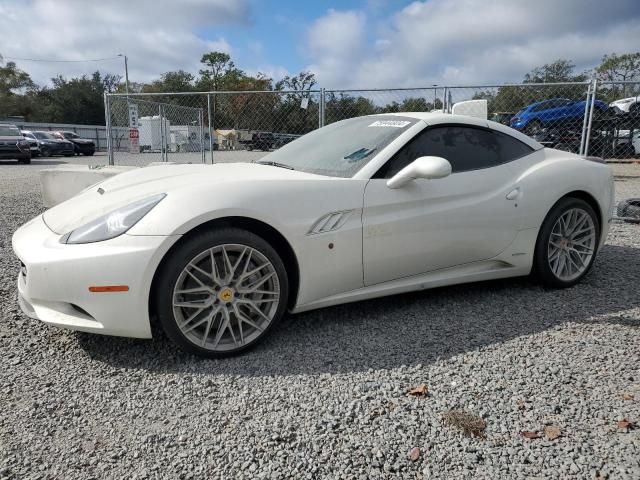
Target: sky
<point x="347" y="43"/>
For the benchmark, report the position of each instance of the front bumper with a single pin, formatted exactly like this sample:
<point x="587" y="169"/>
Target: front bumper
<point x="14" y="152"/>
<point x="54" y="281"/>
<point x="85" y="147"/>
<point x="59" y="148"/>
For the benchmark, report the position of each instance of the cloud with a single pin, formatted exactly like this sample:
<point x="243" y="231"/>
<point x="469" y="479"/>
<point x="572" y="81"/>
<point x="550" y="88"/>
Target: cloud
<point x="467" y="41"/>
<point x="156" y="36"/>
<point x="335" y="41"/>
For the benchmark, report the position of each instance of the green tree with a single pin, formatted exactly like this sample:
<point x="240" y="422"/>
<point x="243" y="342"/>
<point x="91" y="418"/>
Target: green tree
<point x="291" y="114"/>
<point x="559" y="71"/>
<point x="76" y="100"/>
<point x="16" y="90"/>
<point x="177" y="81"/>
<point x="619" y="68"/>
<point x="220" y="72"/>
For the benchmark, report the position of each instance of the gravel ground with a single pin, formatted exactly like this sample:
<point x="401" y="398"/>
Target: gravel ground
<point x="325" y="395"/>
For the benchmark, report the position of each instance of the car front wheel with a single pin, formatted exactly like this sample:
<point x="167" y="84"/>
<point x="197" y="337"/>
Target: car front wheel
<point x="220" y="292"/>
<point x="567" y="243"/>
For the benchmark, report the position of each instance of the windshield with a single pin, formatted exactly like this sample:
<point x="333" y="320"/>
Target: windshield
<point x="342" y="148"/>
<point x="43" y="136"/>
<point x="9" y="131"/>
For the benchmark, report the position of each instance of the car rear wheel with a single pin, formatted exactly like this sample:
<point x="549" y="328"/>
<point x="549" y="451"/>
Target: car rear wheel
<point x="45" y="152"/>
<point x="533" y="128"/>
<point x="221" y="292"/>
<point x="567" y="243"/>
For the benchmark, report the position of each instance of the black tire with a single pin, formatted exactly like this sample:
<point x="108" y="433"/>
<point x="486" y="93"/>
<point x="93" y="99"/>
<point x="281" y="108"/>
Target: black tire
<point x="185" y="253"/>
<point x="89" y="153"/>
<point x="69" y="154"/>
<point x="566" y="147"/>
<point x="629" y="209"/>
<point x="25" y="161"/>
<point x="45" y="152"/>
<point x="541" y="269"/>
<point x="533" y="127"/>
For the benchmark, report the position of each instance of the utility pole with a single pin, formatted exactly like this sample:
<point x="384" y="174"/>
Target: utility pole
<point x="126" y="74"/>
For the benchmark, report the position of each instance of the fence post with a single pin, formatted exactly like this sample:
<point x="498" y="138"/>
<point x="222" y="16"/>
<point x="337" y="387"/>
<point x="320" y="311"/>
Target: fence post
<point x="593" y="101"/>
<point x="162" y="152"/>
<point x="320" y="107"/>
<point x="210" y="126"/>
<point x="585" y="119"/>
<point x="201" y="119"/>
<point x="97" y="140"/>
<point x="445" y="101"/>
<point x="324" y="104"/>
<point x="107" y="117"/>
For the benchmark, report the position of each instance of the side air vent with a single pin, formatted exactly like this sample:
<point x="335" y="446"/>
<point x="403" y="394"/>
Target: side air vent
<point x="329" y="222"/>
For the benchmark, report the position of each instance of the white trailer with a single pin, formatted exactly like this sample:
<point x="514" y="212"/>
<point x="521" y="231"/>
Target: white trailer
<point x="154" y="132"/>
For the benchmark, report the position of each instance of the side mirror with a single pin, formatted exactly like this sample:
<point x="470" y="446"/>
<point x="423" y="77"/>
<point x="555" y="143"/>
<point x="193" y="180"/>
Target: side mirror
<point x="422" y="167"/>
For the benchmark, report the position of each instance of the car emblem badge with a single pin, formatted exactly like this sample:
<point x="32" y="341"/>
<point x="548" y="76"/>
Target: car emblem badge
<point x="225" y="295"/>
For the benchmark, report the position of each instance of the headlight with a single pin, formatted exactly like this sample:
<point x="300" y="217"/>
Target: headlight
<point x="113" y="223"/>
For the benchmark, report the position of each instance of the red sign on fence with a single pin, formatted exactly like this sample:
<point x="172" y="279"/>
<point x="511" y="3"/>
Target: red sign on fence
<point x="134" y="140"/>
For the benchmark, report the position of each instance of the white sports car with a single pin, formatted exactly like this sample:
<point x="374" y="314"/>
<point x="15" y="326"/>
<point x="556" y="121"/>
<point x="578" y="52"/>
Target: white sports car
<point x="361" y="208"/>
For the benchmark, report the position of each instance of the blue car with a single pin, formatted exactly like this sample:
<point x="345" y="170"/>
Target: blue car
<point x="536" y="116"/>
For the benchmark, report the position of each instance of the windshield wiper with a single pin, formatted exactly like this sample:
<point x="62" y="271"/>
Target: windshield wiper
<point x="275" y="164"/>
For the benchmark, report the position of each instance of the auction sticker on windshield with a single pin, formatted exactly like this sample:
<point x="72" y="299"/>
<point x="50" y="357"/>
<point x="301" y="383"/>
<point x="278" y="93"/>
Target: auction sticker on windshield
<point x="390" y="123"/>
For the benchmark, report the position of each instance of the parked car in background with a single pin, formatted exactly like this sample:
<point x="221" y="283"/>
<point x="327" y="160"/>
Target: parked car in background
<point x="628" y="143"/>
<point x="13" y="145"/>
<point x="503" y="117"/>
<point x="81" y="145"/>
<point x="552" y="112"/>
<point x="34" y="146"/>
<point x="52" y="145"/>
<point x="627" y="105"/>
<point x="262" y="141"/>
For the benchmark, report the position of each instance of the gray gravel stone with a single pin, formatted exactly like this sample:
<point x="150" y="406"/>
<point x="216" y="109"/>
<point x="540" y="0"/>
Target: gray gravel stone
<point x="324" y="396"/>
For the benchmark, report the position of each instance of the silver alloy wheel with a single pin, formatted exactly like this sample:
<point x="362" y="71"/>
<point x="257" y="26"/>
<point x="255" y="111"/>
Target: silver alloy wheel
<point x="571" y="244"/>
<point x="226" y="297"/>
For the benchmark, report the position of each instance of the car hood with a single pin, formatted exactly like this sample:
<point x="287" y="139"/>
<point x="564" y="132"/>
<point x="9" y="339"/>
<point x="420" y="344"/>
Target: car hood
<point x="128" y="187"/>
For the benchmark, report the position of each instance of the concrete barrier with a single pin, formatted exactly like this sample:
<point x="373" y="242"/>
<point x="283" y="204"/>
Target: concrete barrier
<point x="64" y="181"/>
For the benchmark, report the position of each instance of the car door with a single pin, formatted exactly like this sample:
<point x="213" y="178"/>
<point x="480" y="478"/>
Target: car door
<point x="557" y="110"/>
<point x="427" y="225"/>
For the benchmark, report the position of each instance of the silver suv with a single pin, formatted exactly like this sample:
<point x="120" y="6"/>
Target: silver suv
<point x="13" y="145"/>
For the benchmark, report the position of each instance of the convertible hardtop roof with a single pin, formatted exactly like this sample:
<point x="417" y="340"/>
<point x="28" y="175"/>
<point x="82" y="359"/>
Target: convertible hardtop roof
<point x="434" y="118"/>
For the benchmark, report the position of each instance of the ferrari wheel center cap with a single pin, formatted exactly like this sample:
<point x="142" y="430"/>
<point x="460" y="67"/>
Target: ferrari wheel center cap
<point x="226" y="295"/>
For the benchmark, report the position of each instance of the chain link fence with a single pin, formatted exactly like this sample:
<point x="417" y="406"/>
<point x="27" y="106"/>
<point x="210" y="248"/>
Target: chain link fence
<point x="615" y="132"/>
<point x="591" y="118"/>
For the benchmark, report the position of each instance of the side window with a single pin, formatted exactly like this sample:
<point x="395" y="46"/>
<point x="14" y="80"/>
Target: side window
<point x="541" y="106"/>
<point x="510" y="148"/>
<point x="466" y="148"/>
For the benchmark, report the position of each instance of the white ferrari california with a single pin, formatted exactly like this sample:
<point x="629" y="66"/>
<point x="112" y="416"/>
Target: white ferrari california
<point x="361" y="208"/>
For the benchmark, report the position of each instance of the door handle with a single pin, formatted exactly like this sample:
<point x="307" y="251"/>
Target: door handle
<point x="513" y="194"/>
